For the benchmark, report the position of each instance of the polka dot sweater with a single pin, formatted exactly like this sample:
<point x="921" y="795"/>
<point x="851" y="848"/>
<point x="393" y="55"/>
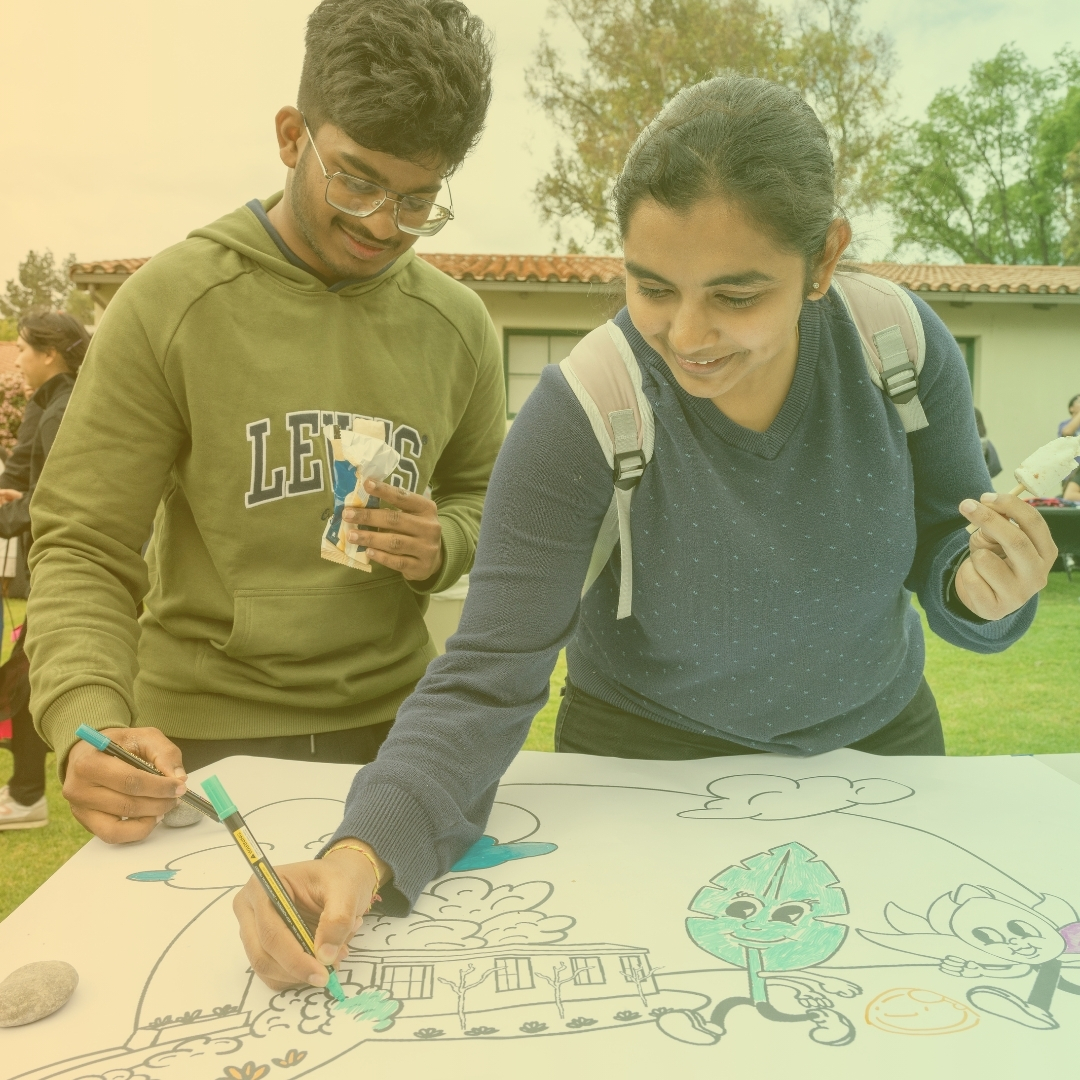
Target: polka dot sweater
<point x="773" y="573"/>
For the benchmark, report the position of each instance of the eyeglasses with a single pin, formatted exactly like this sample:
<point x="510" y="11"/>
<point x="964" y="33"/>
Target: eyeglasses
<point x="359" y="198"/>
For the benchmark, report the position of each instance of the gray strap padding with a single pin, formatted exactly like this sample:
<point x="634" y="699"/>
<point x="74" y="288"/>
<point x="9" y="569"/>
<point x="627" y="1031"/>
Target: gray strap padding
<point x="626" y="554"/>
<point x="604" y="376"/>
<point x="882" y="309"/>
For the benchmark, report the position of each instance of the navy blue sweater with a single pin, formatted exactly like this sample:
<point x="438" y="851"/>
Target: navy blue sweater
<point x="772" y="580"/>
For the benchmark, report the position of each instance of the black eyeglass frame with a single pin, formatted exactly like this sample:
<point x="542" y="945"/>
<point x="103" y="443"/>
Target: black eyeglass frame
<point x="387" y="196"/>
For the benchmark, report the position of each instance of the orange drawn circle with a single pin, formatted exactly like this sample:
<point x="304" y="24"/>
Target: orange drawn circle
<point x="908" y="1011"/>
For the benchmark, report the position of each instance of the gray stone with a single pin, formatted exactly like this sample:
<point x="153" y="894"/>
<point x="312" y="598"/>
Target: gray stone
<point x="181" y="816"/>
<point x="35" y="991"/>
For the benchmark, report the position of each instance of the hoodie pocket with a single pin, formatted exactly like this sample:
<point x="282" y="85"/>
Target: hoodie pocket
<point x="372" y="623"/>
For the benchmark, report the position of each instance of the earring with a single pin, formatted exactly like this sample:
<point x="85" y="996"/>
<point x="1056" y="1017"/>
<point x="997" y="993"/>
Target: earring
<point x="815" y="286"/>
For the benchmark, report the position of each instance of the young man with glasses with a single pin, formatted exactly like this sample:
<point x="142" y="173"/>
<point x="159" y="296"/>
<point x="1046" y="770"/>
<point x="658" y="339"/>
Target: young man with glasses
<point x="210" y="412"/>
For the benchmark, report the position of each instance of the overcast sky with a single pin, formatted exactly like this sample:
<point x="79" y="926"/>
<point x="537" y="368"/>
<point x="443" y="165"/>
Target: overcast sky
<point x="130" y="122"/>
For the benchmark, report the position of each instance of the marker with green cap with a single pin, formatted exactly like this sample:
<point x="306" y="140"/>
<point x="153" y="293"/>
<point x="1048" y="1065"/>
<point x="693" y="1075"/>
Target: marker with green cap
<point x="271" y="883"/>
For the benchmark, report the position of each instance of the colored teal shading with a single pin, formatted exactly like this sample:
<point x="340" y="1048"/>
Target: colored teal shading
<point x="768" y="913"/>
<point x="487" y="851"/>
<point x="152" y="875"/>
<point x="219" y="799"/>
<point x="372" y="1004"/>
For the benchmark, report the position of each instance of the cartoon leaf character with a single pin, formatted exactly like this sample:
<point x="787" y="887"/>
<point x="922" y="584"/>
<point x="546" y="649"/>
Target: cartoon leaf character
<point x="767" y="913"/>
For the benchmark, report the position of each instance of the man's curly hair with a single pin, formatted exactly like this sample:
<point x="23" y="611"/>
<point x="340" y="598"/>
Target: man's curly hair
<point x="411" y="78"/>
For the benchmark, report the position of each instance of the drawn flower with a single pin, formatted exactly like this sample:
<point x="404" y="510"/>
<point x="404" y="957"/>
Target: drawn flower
<point x="627" y="1014"/>
<point x="580" y="1022"/>
<point x="533" y="1027"/>
<point x="481" y="1031"/>
<point x="429" y="1033"/>
<point x="293" y="1057"/>
<point x="659" y="1011"/>
<point x="249" y="1071"/>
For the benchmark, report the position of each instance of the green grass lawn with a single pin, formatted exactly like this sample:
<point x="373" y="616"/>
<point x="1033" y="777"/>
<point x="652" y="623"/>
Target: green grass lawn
<point x="1023" y="701"/>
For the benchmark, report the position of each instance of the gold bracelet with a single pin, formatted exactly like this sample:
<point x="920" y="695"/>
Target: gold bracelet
<point x="344" y="845"/>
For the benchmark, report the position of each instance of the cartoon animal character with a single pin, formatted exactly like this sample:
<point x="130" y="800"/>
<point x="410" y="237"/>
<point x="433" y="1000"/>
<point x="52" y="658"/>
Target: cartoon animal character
<point x="977" y="932"/>
<point x="769" y="916"/>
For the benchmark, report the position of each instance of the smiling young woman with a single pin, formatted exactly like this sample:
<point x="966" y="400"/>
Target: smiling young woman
<point x="778" y="532"/>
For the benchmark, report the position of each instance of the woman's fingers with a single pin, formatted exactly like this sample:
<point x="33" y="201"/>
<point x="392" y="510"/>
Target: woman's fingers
<point x="1011" y="556"/>
<point x="335" y="891"/>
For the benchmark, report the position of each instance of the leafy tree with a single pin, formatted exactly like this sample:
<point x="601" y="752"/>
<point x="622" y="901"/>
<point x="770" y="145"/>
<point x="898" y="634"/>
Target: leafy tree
<point x="985" y="177"/>
<point x="639" y="53"/>
<point x="43" y="284"/>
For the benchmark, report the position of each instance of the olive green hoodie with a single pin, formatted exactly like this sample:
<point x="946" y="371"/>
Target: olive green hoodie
<point x="199" y="411"/>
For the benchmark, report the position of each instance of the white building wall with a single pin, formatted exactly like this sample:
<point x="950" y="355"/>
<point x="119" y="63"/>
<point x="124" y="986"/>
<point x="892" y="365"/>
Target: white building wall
<point x="1027" y="366"/>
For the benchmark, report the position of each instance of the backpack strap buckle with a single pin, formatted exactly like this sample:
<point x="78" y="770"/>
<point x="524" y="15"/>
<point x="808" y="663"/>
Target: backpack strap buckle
<point x="899" y="377"/>
<point x="629" y="468"/>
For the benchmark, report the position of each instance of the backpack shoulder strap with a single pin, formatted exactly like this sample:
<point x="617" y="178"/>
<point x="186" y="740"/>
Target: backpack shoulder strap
<point x="893" y="341"/>
<point x="604" y="376"/>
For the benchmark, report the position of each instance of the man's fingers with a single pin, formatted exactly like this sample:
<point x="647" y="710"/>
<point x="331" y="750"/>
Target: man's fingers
<point x="996" y="511"/>
<point x="151" y="745"/>
<point x="95" y="769"/>
<point x="400" y="497"/>
<point x="111" y="829"/>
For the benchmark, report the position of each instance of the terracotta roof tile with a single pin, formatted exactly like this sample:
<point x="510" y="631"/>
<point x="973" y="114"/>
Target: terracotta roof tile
<point x="598" y="269"/>
<point x="108" y="266"/>
<point x="982" y="278"/>
<point x="607" y="269"/>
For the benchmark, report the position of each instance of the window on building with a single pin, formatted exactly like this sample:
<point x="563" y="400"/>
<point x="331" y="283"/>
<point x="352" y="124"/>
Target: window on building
<point x="513" y="973"/>
<point x="526" y="353"/>
<point x="408" y="980"/>
<point x="634" y="968"/>
<point x="967" y="347"/>
<point x="588" y="971"/>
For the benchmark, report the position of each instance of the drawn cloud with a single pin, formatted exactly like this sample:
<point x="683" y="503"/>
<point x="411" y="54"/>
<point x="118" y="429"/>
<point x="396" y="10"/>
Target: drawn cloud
<point x="468" y="913"/>
<point x="779" y="798"/>
<point x="192" y="1059"/>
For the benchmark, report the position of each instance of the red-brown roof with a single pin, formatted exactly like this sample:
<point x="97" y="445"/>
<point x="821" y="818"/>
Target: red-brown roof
<point x="982" y="278"/>
<point x="597" y="269"/>
<point x="607" y="269"/>
<point x="108" y="266"/>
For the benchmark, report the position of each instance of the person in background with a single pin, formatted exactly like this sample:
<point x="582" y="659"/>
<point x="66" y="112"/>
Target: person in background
<point x="51" y="348"/>
<point x="990" y="455"/>
<point x="1072" y="486"/>
<point x="1072" y="425"/>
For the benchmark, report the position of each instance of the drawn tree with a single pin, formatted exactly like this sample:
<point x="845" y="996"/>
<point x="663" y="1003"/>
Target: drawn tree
<point x="556" y="981"/>
<point x="639" y="975"/>
<point x="463" y="986"/>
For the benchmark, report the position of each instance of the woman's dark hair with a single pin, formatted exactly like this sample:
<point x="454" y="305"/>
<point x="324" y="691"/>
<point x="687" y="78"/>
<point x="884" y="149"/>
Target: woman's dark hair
<point x="411" y="78"/>
<point x="748" y="140"/>
<point x="57" y="330"/>
<point x="1073" y="400"/>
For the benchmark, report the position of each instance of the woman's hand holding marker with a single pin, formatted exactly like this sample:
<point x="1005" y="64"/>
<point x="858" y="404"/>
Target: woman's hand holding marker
<point x="116" y="801"/>
<point x="1011" y="554"/>
<point x="334" y="891"/>
<point x="410" y="535"/>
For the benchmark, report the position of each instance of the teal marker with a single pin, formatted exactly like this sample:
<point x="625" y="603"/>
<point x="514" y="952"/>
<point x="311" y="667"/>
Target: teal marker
<point x="268" y="879"/>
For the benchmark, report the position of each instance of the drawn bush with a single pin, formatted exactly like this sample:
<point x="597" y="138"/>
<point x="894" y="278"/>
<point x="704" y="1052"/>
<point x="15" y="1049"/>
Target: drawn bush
<point x="161" y="1021"/>
<point x="533" y="1027"/>
<point x="429" y="1033"/>
<point x="249" y="1071"/>
<point x="580" y="1022"/>
<point x="293" y="1057"/>
<point x="626" y="1014"/>
<point x="481" y="1031"/>
<point x="225" y="1010"/>
<point x="659" y="1011"/>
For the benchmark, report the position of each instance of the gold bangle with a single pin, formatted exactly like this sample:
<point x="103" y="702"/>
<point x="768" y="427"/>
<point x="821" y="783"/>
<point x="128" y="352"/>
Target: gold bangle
<point x="344" y="845"/>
